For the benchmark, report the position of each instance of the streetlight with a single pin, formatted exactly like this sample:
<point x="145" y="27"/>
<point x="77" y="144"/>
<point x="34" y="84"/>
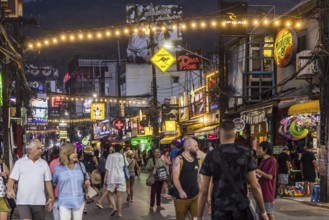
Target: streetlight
<point x="95" y="95"/>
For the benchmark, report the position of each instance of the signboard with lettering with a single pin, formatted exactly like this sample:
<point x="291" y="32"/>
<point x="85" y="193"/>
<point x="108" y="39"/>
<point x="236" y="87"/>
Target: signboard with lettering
<point x="183" y="107"/>
<point x="97" y="111"/>
<point x="213" y="92"/>
<point x="236" y="15"/>
<point x="169" y="112"/>
<point x="39" y="111"/>
<point x="285" y="47"/>
<point x="56" y="101"/>
<point x="163" y="59"/>
<point x="198" y="101"/>
<point x="187" y="61"/>
<point x="170" y="127"/>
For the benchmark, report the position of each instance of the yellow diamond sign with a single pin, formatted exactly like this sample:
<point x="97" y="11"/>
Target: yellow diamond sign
<point x="163" y="59"/>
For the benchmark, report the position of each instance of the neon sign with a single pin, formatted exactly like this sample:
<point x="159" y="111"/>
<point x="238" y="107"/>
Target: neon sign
<point x="285" y="46"/>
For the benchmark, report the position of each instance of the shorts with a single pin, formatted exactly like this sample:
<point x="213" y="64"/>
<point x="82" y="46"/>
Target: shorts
<point x="283" y="178"/>
<point x="309" y="178"/>
<point x="4" y="205"/>
<point x="269" y="208"/>
<point x="31" y="211"/>
<point x="121" y="187"/>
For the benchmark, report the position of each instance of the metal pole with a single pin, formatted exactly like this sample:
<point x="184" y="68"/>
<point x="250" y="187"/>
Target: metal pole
<point x="154" y="87"/>
<point x="119" y="69"/>
<point x="324" y="100"/>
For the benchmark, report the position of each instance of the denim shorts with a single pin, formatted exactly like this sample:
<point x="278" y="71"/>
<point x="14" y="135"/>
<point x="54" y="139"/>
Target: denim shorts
<point x="269" y="208"/>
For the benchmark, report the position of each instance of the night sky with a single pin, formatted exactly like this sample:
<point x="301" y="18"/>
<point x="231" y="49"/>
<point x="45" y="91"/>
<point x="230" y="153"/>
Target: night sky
<point x="64" y="15"/>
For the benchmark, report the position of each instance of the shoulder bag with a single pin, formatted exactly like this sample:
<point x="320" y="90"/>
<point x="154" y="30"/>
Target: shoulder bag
<point x="10" y="201"/>
<point x="125" y="169"/>
<point x="151" y="178"/>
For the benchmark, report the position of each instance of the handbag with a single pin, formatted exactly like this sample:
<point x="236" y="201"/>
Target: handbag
<point x="91" y="192"/>
<point x="10" y="201"/>
<point x="161" y="174"/>
<point x="150" y="180"/>
<point x="84" y="188"/>
<point x="125" y="169"/>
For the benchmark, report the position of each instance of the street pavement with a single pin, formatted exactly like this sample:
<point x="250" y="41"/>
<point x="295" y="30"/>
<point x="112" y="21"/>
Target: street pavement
<point x="139" y="209"/>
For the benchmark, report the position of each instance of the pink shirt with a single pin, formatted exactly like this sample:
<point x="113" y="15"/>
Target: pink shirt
<point x="54" y="163"/>
<point x="268" y="186"/>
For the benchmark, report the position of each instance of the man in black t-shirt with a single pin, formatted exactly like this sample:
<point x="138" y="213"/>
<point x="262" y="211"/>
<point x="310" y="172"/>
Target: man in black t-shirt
<point x="284" y="166"/>
<point x="308" y="166"/>
<point x="232" y="167"/>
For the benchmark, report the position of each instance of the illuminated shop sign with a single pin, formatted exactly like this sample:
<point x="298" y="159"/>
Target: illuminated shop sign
<point x="285" y="47"/>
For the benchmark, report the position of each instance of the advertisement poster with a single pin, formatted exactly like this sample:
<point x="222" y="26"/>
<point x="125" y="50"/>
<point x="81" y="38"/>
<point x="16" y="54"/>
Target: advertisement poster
<point x="198" y="101"/>
<point x="183" y="107"/>
<point x="39" y="111"/>
<point x="101" y="129"/>
<point x="139" y="45"/>
<point x="97" y="111"/>
<point x="213" y="92"/>
<point x="235" y="68"/>
<point x="169" y="112"/>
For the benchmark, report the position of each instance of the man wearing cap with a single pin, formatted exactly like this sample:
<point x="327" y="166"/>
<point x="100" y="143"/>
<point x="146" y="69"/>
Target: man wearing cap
<point x="284" y="166"/>
<point x="32" y="174"/>
<point x="267" y="180"/>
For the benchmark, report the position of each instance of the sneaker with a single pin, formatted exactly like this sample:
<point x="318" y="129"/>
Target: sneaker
<point x="159" y="208"/>
<point x="99" y="205"/>
<point x="85" y="211"/>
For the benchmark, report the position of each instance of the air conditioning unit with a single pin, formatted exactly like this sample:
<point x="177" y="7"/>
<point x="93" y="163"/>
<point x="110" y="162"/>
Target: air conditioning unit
<point x="302" y="58"/>
<point x="13" y="8"/>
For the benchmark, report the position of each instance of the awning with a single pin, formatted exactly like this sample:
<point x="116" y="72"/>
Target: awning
<point x="206" y="130"/>
<point x="168" y="139"/>
<point x="304" y="108"/>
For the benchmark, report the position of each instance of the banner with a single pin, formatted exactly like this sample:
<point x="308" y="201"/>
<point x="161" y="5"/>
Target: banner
<point x="198" y="101"/>
<point x="187" y="61"/>
<point x="183" y="107"/>
<point x="169" y="112"/>
<point x="97" y="111"/>
<point x="138" y="50"/>
<point x="213" y="91"/>
<point x="137" y="13"/>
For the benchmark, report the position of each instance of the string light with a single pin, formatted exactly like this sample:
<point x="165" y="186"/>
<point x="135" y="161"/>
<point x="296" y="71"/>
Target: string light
<point x="118" y="30"/>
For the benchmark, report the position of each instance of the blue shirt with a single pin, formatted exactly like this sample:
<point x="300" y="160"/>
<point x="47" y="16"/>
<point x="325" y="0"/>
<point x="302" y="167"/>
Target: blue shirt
<point x="71" y="182"/>
<point x="173" y="153"/>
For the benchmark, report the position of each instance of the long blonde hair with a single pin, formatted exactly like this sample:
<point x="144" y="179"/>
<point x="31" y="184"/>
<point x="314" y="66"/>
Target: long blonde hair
<point x="66" y="151"/>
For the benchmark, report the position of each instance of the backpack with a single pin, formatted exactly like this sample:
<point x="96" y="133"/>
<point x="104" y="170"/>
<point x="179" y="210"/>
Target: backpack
<point x="89" y="163"/>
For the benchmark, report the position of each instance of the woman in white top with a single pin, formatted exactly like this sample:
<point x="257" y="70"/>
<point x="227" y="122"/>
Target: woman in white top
<point x="132" y="167"/>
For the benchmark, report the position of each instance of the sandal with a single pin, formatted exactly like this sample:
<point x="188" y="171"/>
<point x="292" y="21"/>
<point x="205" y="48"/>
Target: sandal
<point x="128" y="198"/>
<point x="114" y="212"/>
<point x="99" y="206"/>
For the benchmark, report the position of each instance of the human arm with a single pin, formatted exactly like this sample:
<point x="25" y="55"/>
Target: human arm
<point x="315" y="164"/>
<point x="257" y="193"/>
<point x="95" y="161"/>
<point x="105" y="177"/>
<point x="50" y="192"/>
<point x="265" y="175"/>
<point x="176" y="174"/>
<point x="5" y="172"/>
<point x="150" y="165"/>
<point x="10" y="188"/>
<point x="203" y="195"/>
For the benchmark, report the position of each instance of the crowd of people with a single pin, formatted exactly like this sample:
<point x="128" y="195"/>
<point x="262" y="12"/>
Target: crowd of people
<point x="222" y="177"/>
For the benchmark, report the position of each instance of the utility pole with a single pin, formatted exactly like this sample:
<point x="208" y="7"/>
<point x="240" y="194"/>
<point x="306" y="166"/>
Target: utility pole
<point x="324" y="99"/>
<point x="154" y="86"/>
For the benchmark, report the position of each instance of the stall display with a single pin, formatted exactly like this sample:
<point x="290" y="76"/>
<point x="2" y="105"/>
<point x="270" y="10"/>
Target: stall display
<point x="298" y="127"/>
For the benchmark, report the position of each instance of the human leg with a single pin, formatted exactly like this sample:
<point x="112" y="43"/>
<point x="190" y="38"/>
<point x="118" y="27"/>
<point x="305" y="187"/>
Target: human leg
<point x="65" y="213"/>
<point x="119" y="196"/>
<point x="77" y="213"/>
<point x="100" y="201"/>
<point x="132" y="182"/>
<point x="158" y="194"/>
<point x="128" y="190"/>
<point x="24" y="212"/>
<point x="311" y="188"/>
<point x="152" y="196"/>
<point x="38" y="212"/>
<point x="193" y="207"/>
<point x="181" y="208"/>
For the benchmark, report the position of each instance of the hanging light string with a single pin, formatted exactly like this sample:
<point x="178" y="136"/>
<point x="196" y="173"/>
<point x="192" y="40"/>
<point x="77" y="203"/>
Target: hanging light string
<point x="130" y="101"/>
<point x="78" y="120"/>
<point x="187" y="24"/>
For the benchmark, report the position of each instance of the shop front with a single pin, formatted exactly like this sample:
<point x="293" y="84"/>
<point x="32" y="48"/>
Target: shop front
<point x="301" y="128"/>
